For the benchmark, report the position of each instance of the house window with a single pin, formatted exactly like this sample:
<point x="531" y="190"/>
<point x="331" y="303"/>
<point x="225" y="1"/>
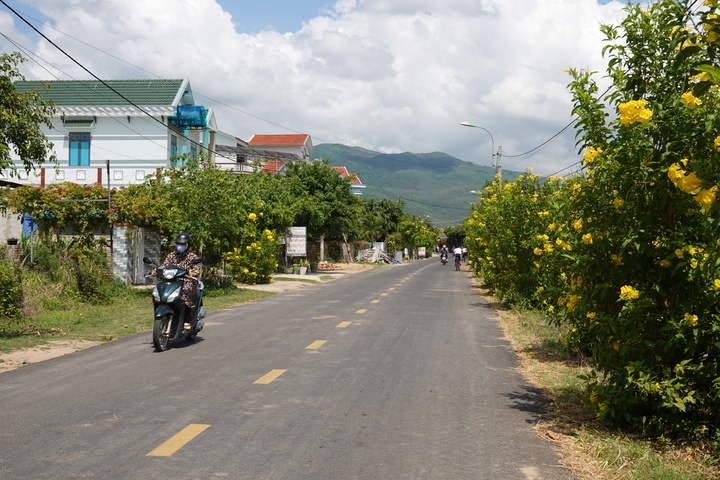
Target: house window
<point x="79" y="149"/>
<point x="173" y="146"/>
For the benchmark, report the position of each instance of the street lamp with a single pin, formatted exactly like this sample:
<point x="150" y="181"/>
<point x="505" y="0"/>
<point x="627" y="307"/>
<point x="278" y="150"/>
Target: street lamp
<point x="498" y="164"/>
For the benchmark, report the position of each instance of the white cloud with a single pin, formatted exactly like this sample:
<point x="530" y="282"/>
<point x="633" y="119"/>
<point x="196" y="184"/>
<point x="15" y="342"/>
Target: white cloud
<point x="389" y="75"/>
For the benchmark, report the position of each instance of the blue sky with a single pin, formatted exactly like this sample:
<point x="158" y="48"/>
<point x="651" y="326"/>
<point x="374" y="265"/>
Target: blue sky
<point x="252" y="16"/>
<point x="386" y="75"/>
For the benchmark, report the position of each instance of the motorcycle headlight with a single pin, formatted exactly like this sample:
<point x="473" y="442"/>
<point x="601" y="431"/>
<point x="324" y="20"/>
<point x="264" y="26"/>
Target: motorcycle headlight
<point x="174" y="295"/>
<point x="156" y="294"/>
<point x="169" y="273"/>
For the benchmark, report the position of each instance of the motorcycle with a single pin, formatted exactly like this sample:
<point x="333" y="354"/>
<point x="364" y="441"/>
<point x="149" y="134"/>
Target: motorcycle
<point x="171" y="313"/>
<point x="444" y="258"/>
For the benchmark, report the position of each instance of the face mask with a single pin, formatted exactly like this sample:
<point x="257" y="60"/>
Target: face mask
<point x="180" y="247"/>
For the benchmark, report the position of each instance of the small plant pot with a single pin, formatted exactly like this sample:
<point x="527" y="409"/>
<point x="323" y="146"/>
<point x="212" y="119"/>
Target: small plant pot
<point x="296" y="270"/>
<point x="303" y="270"/>
<point x="313" y="267"/>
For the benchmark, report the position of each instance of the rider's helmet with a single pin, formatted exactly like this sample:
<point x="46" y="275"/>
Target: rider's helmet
<point x="183" y="239"/>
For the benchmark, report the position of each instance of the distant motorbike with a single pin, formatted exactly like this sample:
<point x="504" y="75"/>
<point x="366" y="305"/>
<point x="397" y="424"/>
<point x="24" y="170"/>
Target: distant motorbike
<point x="171" y="313"/>
<point x="444" y="258"/>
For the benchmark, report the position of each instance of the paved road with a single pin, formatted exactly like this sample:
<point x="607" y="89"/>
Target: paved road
<point x="394" y="373"/>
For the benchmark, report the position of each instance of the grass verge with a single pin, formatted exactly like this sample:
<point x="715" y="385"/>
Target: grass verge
<point x="589" y="449"/>
<point x="129" y="313"/>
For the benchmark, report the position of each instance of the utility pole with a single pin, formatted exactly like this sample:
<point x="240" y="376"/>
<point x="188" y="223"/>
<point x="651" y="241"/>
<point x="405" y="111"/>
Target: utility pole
<point x="498" y="164"/>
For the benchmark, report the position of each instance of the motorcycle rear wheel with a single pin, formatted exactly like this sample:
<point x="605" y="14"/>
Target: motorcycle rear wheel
<point x="160" y="338"/>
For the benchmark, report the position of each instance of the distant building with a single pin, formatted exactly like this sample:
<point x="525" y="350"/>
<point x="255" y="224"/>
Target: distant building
<point x="355" y="182"/>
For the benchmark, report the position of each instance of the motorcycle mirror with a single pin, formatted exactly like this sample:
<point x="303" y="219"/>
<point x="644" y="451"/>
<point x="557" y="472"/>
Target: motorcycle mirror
<point x="147" y="260"/>
<point x="196" y="260"/>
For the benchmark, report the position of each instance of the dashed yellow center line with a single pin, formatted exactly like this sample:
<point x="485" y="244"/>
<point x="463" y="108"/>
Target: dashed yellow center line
<point x="343" y="324"/>
<point x="375" y="301"/>
<point x="391" y="288"/>
<point x="269" y="377"/>
<point x="316" y="344"/>
<point x="179" y="440"/>
<point x="323" y="317"/>
<point x="383" y="294"/>
<point x="362" y="310"/>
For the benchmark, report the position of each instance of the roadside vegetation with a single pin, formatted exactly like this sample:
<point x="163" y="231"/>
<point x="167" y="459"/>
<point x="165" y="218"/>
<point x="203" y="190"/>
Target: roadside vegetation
<point x="617" y="268"/>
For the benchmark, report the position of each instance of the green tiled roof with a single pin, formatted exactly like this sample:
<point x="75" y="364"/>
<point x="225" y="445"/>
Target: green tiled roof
<point x="93" y="93"/>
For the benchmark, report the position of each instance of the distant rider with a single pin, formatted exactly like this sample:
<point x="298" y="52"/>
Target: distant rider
<point x="458" y="254"/>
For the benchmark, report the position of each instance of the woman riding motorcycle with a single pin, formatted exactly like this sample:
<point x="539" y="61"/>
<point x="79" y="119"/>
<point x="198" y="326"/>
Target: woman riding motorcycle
<point x="182" y="257"/>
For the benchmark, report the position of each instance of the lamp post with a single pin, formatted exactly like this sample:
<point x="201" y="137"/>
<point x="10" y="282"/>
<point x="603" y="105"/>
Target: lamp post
<point x="498" y="164"/>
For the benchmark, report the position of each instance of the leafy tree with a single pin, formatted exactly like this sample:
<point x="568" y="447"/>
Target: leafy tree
<point x="78" y="209"/>
<point x="380" y="219"/>
<point x="21" y="116"/>
<point x="323" y="201"/>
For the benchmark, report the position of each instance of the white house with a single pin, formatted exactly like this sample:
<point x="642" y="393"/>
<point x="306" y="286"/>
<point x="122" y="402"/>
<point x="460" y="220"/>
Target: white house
<point x="133" y="126"/>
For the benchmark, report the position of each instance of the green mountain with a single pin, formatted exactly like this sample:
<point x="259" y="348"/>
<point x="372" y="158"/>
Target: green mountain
<point x="432" y="185"/>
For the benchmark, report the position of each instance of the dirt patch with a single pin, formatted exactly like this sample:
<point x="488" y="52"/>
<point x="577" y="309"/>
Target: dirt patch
<point x="58" y="348"/>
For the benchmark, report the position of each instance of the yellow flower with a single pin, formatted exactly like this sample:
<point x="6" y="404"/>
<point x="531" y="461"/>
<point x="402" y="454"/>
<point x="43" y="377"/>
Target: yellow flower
<point x="587" y="238"/>
<point x="552" y="226"/>
<point x="675" y="173"/>
<point x="616" y="345"/>
<point x="537" y="252"/>
<point x="716" y="284"/>
<point x="690" y="100"/>
<point x="252" y="217"/>
<point x="689" y="183"/>
<point x="716" y="144"/>
<point x="548" y="247"/>
<point x="628" y="293"/>
<point x="578" y="225"/>
<point x="590" y="154"/>
<point x="616" y="260"/>
<point x="706" y="198"/>
<point x="551" y="309"/>
<point x="618" y="202"/>
<point x="691" y="319"/>
<point x="593" y="396"/>
<point x="634" y="111"/>
<point x="679" y="253"/>
<point x="591" y="315"/>
<point x="602" y="407"/>
<point x="665" y="263"/>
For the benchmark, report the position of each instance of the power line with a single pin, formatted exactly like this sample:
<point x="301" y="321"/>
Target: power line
<point x="203" y="147"/>
<point x="433" y="204"/>
<point x="545" y="142"/>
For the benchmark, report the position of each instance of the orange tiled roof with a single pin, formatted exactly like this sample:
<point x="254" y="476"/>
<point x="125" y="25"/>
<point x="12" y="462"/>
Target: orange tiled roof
<point x="273" y="166"/>
<point x="291" y="139"/>
<point x="343" y="171"/>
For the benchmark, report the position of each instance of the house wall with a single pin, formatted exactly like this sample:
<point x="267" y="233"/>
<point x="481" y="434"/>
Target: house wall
<point x="130" y="245"/>
<point x="135" y="149"/>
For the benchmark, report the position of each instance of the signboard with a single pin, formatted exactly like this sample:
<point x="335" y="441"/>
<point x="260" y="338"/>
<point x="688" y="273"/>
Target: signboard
<point x="421" y="252"/>
<point x="296" y="242"/>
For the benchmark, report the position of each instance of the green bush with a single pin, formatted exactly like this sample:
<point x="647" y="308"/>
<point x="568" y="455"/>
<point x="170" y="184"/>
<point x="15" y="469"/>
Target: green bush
<point x="10" y="290"/>
<point x="255" y="261"/>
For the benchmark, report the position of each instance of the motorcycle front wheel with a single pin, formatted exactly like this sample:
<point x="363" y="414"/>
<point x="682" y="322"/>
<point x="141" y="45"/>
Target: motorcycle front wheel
<point x="161" y="335"/>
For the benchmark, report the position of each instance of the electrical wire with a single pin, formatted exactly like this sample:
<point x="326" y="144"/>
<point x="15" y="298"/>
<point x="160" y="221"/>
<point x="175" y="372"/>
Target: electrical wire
<point x="202" y="147"/>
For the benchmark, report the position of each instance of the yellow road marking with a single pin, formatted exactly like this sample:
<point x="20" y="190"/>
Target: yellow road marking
<point x="374" y="301"/>
<point x="362" y="310"/>
<point x="383" y="294"/>
<point x="179" y="440"/>
<point x="343" y="324"/>
<point x="391" y="288"/>
<point x="322" y="317"/>
<point x="269" y="377"/>
<point x="316" y="344"/>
